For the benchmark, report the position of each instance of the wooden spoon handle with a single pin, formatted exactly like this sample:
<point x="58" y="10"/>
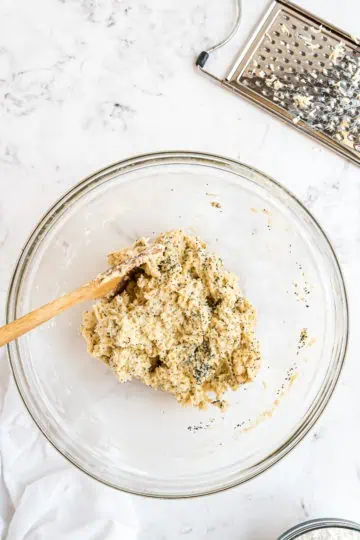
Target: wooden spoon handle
<point x="33" y="319"/>
<point x="103" y="284"/>
<point x="89" y="291"/>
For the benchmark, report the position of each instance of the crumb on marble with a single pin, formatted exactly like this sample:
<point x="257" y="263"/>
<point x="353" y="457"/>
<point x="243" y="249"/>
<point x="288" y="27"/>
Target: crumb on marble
<point x="215" y="204"/>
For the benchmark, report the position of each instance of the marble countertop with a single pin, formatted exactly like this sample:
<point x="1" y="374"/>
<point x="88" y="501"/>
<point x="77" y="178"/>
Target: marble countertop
<point x="87" y="82"/>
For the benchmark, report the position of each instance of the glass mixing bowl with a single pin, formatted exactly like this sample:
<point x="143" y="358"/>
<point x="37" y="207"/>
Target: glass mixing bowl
<point x="134" y="438"/>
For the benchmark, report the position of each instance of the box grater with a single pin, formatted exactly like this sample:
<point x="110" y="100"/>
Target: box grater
<point x="303" y="70"/>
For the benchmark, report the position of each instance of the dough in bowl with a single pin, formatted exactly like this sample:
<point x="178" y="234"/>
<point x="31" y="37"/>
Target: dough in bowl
<point x="182" y="324"/>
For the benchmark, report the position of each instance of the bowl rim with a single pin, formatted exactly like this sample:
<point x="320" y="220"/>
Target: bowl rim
<point x="162" y="158"/>
<point x="319" y="523"/>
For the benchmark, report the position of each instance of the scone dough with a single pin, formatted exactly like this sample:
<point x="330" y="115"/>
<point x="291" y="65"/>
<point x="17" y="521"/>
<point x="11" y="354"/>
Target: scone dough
<point x="181" y="325"/>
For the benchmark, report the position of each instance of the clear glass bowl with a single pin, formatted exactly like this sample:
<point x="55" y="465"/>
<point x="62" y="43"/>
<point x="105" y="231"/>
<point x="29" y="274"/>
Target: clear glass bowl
<point x="324" y="524"/>
<point x="130" y="436"/>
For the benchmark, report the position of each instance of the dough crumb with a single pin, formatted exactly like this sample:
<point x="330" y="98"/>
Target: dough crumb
<point x="181" y="325"/>
<point x="216" y="204"/>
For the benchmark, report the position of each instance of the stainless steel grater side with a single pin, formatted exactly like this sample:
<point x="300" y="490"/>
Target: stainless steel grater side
<point x="303" y="70"/>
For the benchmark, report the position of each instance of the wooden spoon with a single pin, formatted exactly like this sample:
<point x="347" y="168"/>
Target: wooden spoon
<point x="114" y="279"/>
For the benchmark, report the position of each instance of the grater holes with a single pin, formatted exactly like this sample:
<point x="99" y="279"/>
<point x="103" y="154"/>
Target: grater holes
<point x="294" y="42"/>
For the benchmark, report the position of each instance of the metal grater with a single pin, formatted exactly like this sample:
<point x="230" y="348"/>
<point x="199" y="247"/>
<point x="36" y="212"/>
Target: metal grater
<point x="303" y="70"/>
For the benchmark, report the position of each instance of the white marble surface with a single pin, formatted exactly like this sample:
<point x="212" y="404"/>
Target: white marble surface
<point x="87" y="82"/>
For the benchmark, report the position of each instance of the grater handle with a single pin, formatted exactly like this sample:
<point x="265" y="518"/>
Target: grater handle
<point x="202" y="59"/>
<point x="204" y="55"/>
